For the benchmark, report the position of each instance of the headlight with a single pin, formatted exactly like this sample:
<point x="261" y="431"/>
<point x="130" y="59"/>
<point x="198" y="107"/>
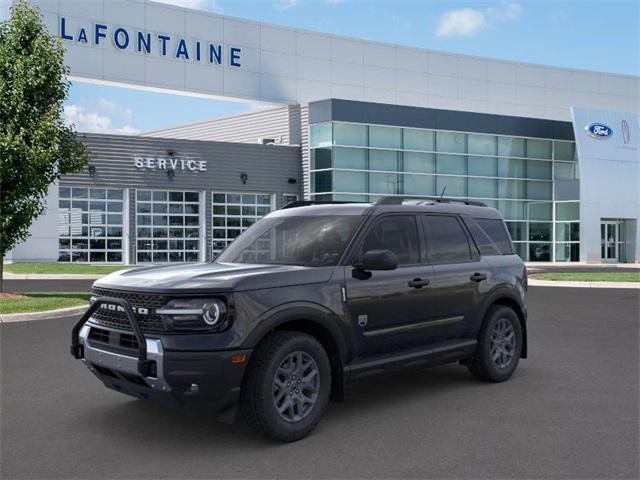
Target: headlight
<point x="194" y="314"/>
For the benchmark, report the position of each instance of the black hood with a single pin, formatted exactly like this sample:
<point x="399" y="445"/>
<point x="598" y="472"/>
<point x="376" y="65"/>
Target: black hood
<point x="212" y="277"/>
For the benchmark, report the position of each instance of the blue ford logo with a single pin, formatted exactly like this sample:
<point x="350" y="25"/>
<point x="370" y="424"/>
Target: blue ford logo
<point x="599" y="130"/>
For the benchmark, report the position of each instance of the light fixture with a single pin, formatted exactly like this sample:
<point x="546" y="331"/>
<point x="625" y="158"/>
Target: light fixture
<point x="171" y="152"/>
<point x="244" y="177"/>
<point x="292" y="181"/>
<point x="171" y="173"/>
<point x="91" y="168"/>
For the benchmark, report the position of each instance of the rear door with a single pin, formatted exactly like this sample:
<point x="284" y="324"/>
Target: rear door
<point x="389" y="310"/>
<point x="461" y="276"/>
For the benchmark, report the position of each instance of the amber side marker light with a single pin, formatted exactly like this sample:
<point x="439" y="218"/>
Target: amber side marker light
<point x="238" y="358"/>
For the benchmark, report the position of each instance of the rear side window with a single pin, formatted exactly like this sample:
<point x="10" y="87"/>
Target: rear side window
<point x="398" y="234"/>
<point x="497" y="232"/>
<point x="484" y="243"/>
<point x="446" y="240"/>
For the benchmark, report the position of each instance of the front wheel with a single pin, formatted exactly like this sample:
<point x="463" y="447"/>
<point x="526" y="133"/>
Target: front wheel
<point x="286" y="388"/>
<point x="499" y="345"/>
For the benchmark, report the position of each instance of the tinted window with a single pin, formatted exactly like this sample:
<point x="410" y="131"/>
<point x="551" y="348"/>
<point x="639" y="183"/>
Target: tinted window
<point x="482" y="240"/>
<point x="446" y="239"/>
<point x="398" y="234"/>
<point x="497" y="232"/>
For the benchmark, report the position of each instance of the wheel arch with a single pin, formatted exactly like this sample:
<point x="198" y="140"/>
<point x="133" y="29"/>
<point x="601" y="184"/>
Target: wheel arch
<point x="314" y="320"/>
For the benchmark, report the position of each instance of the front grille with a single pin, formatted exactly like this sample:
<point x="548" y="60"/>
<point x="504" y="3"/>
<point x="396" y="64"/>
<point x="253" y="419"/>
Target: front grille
<point x="150" y="323"/>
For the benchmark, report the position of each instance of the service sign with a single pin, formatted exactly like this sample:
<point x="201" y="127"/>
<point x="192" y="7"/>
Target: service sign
<point x="170" y="163"/>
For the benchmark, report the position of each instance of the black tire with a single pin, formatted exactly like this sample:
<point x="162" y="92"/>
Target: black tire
<point x="258" y="395"/>
<point x="484" y="364"/>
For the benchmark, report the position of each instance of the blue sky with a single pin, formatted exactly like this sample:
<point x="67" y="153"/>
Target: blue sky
<point x="597" y="35"/>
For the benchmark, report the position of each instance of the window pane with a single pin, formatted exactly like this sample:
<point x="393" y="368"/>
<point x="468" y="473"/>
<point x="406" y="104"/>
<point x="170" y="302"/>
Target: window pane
<point x="419" y="185"/>
<point x="511" y="189"/>
<point x="567" y="211"/>
<point x="446" y="239"/>
<point x="566" y="171"/>
<point x="512" y="210"/>
<point x="483" y="166"/>
<point x="538" y="149"/>
<point x="483" y="144"/>
<point x="383" y="160"/>
<point x="564" y="150"/>
<point x="350" y="182"/>
<point x="567" y="252"/>
<point x="419" y="162"/>
<point x="539" y="211"/>
<point x="320" y="158"/>
<point x="539" y="232"/>
<point x="419" y="139"/>
<point x="385" y="137"/>
<point x="511" y="167"/>
<point x="517" y="230"/>
<point x="321" y="181"/>
<point x="452" y="186"/>
<point x="539" y="190"/>
<point x="320" y="134"/>
<point x="483" y="188"/>
<point x="398" y="234"/>
<point x="453" y="164"/>
<point x="350" y="134"/>
<point x="451" y="142"/>
<point x="539" y="252"/>
<point x="567" y="232"/>
<point x="349" y="158"/>
<point x="510" y="147"/>
<point x="383" y="183"/>
<point x="540" y="170"/>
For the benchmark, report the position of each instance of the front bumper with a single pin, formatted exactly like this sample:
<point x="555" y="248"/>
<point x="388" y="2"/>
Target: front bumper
<point x="203" y="380"/>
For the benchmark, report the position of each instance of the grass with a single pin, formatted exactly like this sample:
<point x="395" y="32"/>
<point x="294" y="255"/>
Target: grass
<point x="589" y="276"/>
<point x="60" y="268"/>
<point x="43" y="301"/>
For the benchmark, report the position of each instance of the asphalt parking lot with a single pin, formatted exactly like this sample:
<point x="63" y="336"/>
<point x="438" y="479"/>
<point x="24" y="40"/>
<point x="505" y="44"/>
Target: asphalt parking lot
<point x="571" y="411"/>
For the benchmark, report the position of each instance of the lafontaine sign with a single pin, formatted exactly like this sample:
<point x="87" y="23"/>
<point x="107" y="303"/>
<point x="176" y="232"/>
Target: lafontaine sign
<point x="171" y="163"/>
<point x="160" y="44"/>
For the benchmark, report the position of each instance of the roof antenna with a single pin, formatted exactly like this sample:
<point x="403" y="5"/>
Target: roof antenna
<point x="444" y="189"/>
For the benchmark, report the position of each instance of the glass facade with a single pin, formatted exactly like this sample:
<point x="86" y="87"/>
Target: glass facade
<point x="90" y="225"/>
<point x="233" y="213"/>
<point x="357" y="162"/>
<point x="167" y="226"/>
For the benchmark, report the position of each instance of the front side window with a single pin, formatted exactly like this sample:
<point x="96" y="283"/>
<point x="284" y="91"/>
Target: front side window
<point x="312" y="241"/>
<point x="398" y="234"/>
<point x="446" y="239"/>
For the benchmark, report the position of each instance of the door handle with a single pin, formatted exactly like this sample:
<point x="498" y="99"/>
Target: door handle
<point x="478" y="277"/>
<point x="418" y="282"/>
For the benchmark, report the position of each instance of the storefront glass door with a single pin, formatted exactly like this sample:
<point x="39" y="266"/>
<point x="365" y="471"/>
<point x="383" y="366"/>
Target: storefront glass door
<point x="609" y="232"/>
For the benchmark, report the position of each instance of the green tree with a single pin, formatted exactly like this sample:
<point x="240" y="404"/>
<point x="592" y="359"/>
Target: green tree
<point x="36" y="147"/>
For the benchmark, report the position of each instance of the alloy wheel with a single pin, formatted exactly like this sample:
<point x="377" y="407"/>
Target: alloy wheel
<point x="295" y="386"/>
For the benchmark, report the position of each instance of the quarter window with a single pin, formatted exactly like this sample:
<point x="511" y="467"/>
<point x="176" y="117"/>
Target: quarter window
<point x="446" y="239"/>
<point x="497" y="232"/>
<point x="398" y="234"/>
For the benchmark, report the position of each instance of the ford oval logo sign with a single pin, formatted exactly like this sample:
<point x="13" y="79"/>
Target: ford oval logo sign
<point x="599" y="131"/>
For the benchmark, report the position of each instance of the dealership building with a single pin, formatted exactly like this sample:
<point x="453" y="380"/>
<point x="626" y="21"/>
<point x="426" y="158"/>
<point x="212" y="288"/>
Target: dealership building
<point x="555" y="150"/>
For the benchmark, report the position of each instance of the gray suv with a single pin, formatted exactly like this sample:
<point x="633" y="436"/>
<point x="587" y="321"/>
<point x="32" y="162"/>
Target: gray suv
<point x="308" y="298"/>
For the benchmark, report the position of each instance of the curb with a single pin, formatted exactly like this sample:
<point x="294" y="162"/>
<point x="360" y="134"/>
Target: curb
<point x="60" y="312"/>
<point x="49" y="276"/>
<point x="552" y="283"/>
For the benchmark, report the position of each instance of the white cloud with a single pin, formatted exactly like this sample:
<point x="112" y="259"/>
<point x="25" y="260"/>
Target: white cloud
<point x="467" y="22"/>
<point x="208" y="5"/>
<point x="105" y="117"/>
<point x="286" y="4"/>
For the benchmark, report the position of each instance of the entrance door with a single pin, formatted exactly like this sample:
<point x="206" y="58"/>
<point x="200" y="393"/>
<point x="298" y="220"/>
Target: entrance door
<point x="609" y="241"/>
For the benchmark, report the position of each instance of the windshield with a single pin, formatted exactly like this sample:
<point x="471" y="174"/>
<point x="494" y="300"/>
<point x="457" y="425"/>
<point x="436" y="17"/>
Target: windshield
<point x="312" y="241"/>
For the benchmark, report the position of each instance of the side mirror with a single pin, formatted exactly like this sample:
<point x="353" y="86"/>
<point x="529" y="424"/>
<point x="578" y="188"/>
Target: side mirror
<point x="377" y="260"/>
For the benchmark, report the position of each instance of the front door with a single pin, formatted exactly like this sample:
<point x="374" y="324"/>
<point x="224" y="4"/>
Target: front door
<point x="390" y="310"/>
<point x="609" y="241"/>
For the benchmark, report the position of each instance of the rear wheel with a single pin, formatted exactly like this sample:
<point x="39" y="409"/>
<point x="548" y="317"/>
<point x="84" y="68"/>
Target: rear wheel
<point x="286" y="388"/>
<point x="499" y="345"/>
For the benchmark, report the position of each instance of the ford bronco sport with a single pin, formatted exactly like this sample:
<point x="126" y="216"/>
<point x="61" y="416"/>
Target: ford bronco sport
<point x="309" y="297"/>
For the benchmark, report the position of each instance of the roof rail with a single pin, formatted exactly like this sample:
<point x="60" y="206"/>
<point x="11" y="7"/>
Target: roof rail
<point x="306" y="203"/>
<point x="397" y="200"/>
